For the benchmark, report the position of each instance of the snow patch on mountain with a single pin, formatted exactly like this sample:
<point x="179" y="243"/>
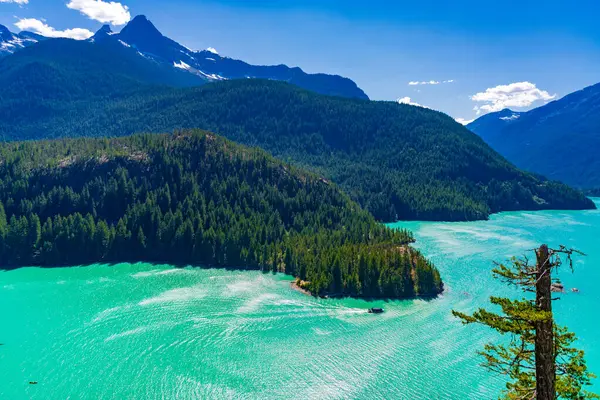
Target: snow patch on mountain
<point x="182" y="65"/>
<point x="213" y="77"/>
<point x="10" y="42"/>
<point x="510" y="117"/>
<point x="189" y="68"/>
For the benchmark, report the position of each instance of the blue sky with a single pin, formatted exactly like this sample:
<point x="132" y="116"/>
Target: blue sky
<point x="496" y="54"/>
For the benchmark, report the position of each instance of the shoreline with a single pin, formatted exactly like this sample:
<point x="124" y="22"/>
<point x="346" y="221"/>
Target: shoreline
<point x="594" y="199"/>
<point x="294" y="286"/>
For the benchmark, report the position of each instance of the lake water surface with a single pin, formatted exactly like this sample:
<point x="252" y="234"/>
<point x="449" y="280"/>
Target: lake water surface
<point x="154" y="332"/>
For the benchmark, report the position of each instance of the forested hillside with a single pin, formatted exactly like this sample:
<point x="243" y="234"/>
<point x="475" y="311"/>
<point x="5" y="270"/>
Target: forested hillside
<point x="397" y="161"/>
<point x="196" y="198"/>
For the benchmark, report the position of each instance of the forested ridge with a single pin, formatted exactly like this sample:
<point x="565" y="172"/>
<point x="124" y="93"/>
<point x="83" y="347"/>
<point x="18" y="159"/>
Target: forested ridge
<point x="397" y="161"/>
<point x="195" y="198"/>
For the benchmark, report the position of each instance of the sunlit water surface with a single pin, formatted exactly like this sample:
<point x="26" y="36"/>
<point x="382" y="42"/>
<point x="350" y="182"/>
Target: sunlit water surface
<point x="154" y="332"/>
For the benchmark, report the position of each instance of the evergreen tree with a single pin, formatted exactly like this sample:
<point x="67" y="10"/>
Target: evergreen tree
<point x="540" y="359"/>
<point x="102" y="240"/>
<point x="141" y="240"/>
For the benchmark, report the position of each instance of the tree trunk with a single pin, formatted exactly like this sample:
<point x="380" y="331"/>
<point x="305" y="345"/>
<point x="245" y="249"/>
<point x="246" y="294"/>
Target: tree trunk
<point x="544" y="333"/>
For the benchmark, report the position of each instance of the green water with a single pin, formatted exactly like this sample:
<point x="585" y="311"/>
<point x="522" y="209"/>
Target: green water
<point x="147" y="332"/>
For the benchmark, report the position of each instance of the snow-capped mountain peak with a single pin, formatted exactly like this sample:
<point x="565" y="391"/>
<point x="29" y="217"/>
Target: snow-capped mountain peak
<point x="141" y="35"/>
<point x="102" y="33"/>
<point x="11" y="42"/>
<point x="140" y="29"/>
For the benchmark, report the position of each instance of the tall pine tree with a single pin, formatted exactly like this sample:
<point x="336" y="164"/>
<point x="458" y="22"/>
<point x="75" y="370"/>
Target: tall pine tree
<point x="540" y="359"/>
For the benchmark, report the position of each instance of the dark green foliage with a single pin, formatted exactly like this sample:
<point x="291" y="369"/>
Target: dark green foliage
<point x="195" y="198"/>
<point x="397" y="161"/>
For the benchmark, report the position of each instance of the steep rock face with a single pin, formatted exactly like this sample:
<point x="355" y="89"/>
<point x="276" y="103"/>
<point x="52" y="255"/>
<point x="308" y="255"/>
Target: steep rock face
<point x="102" y="33"/>
<point x="559" y="140"/>
<point x="11" y="42"/>
<point x="208" y="64"/>
<point x="5" y="34"/>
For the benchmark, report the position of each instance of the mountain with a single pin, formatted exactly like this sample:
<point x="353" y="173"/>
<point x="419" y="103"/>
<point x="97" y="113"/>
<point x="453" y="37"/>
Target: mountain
<point x="559" y="140"/>
<point x="207" y="65"/>
<point x="11" y="42"/>
<point x="102" y="33"/>
<point x="494" y="123"/>
<point x="397" y="161"/>
<point x="56" y="76"/>
<point x="195" y="198"/>
<point x="141" y="34"/>
<point x="47" y="79"/>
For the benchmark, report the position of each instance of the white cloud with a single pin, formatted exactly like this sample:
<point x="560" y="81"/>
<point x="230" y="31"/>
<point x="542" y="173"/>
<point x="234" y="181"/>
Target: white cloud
<point x="516" y="95"/>
<point x="15" y="1"/>
<point x="464" y="121"/>
<point x="102" y="11"/>
<point x="415" y="83"/>
<point x="41" y="28"/>
<point x="408" y="100"/>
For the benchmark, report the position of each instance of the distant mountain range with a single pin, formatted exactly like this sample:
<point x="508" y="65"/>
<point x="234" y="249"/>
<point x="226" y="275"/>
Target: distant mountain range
<point x="397" y="161"/>
<point x="560" y="140"/>
<point x="142" y="36"/>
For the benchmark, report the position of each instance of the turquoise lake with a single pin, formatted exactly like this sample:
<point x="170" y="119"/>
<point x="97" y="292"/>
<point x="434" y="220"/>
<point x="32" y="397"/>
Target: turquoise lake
<point x="140" y="331"/>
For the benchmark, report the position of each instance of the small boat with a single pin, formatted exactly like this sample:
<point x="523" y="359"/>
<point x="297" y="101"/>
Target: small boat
<point x="375" y="310"/>
<point x="575" y="290"/>
<point x="33" y="383"/>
